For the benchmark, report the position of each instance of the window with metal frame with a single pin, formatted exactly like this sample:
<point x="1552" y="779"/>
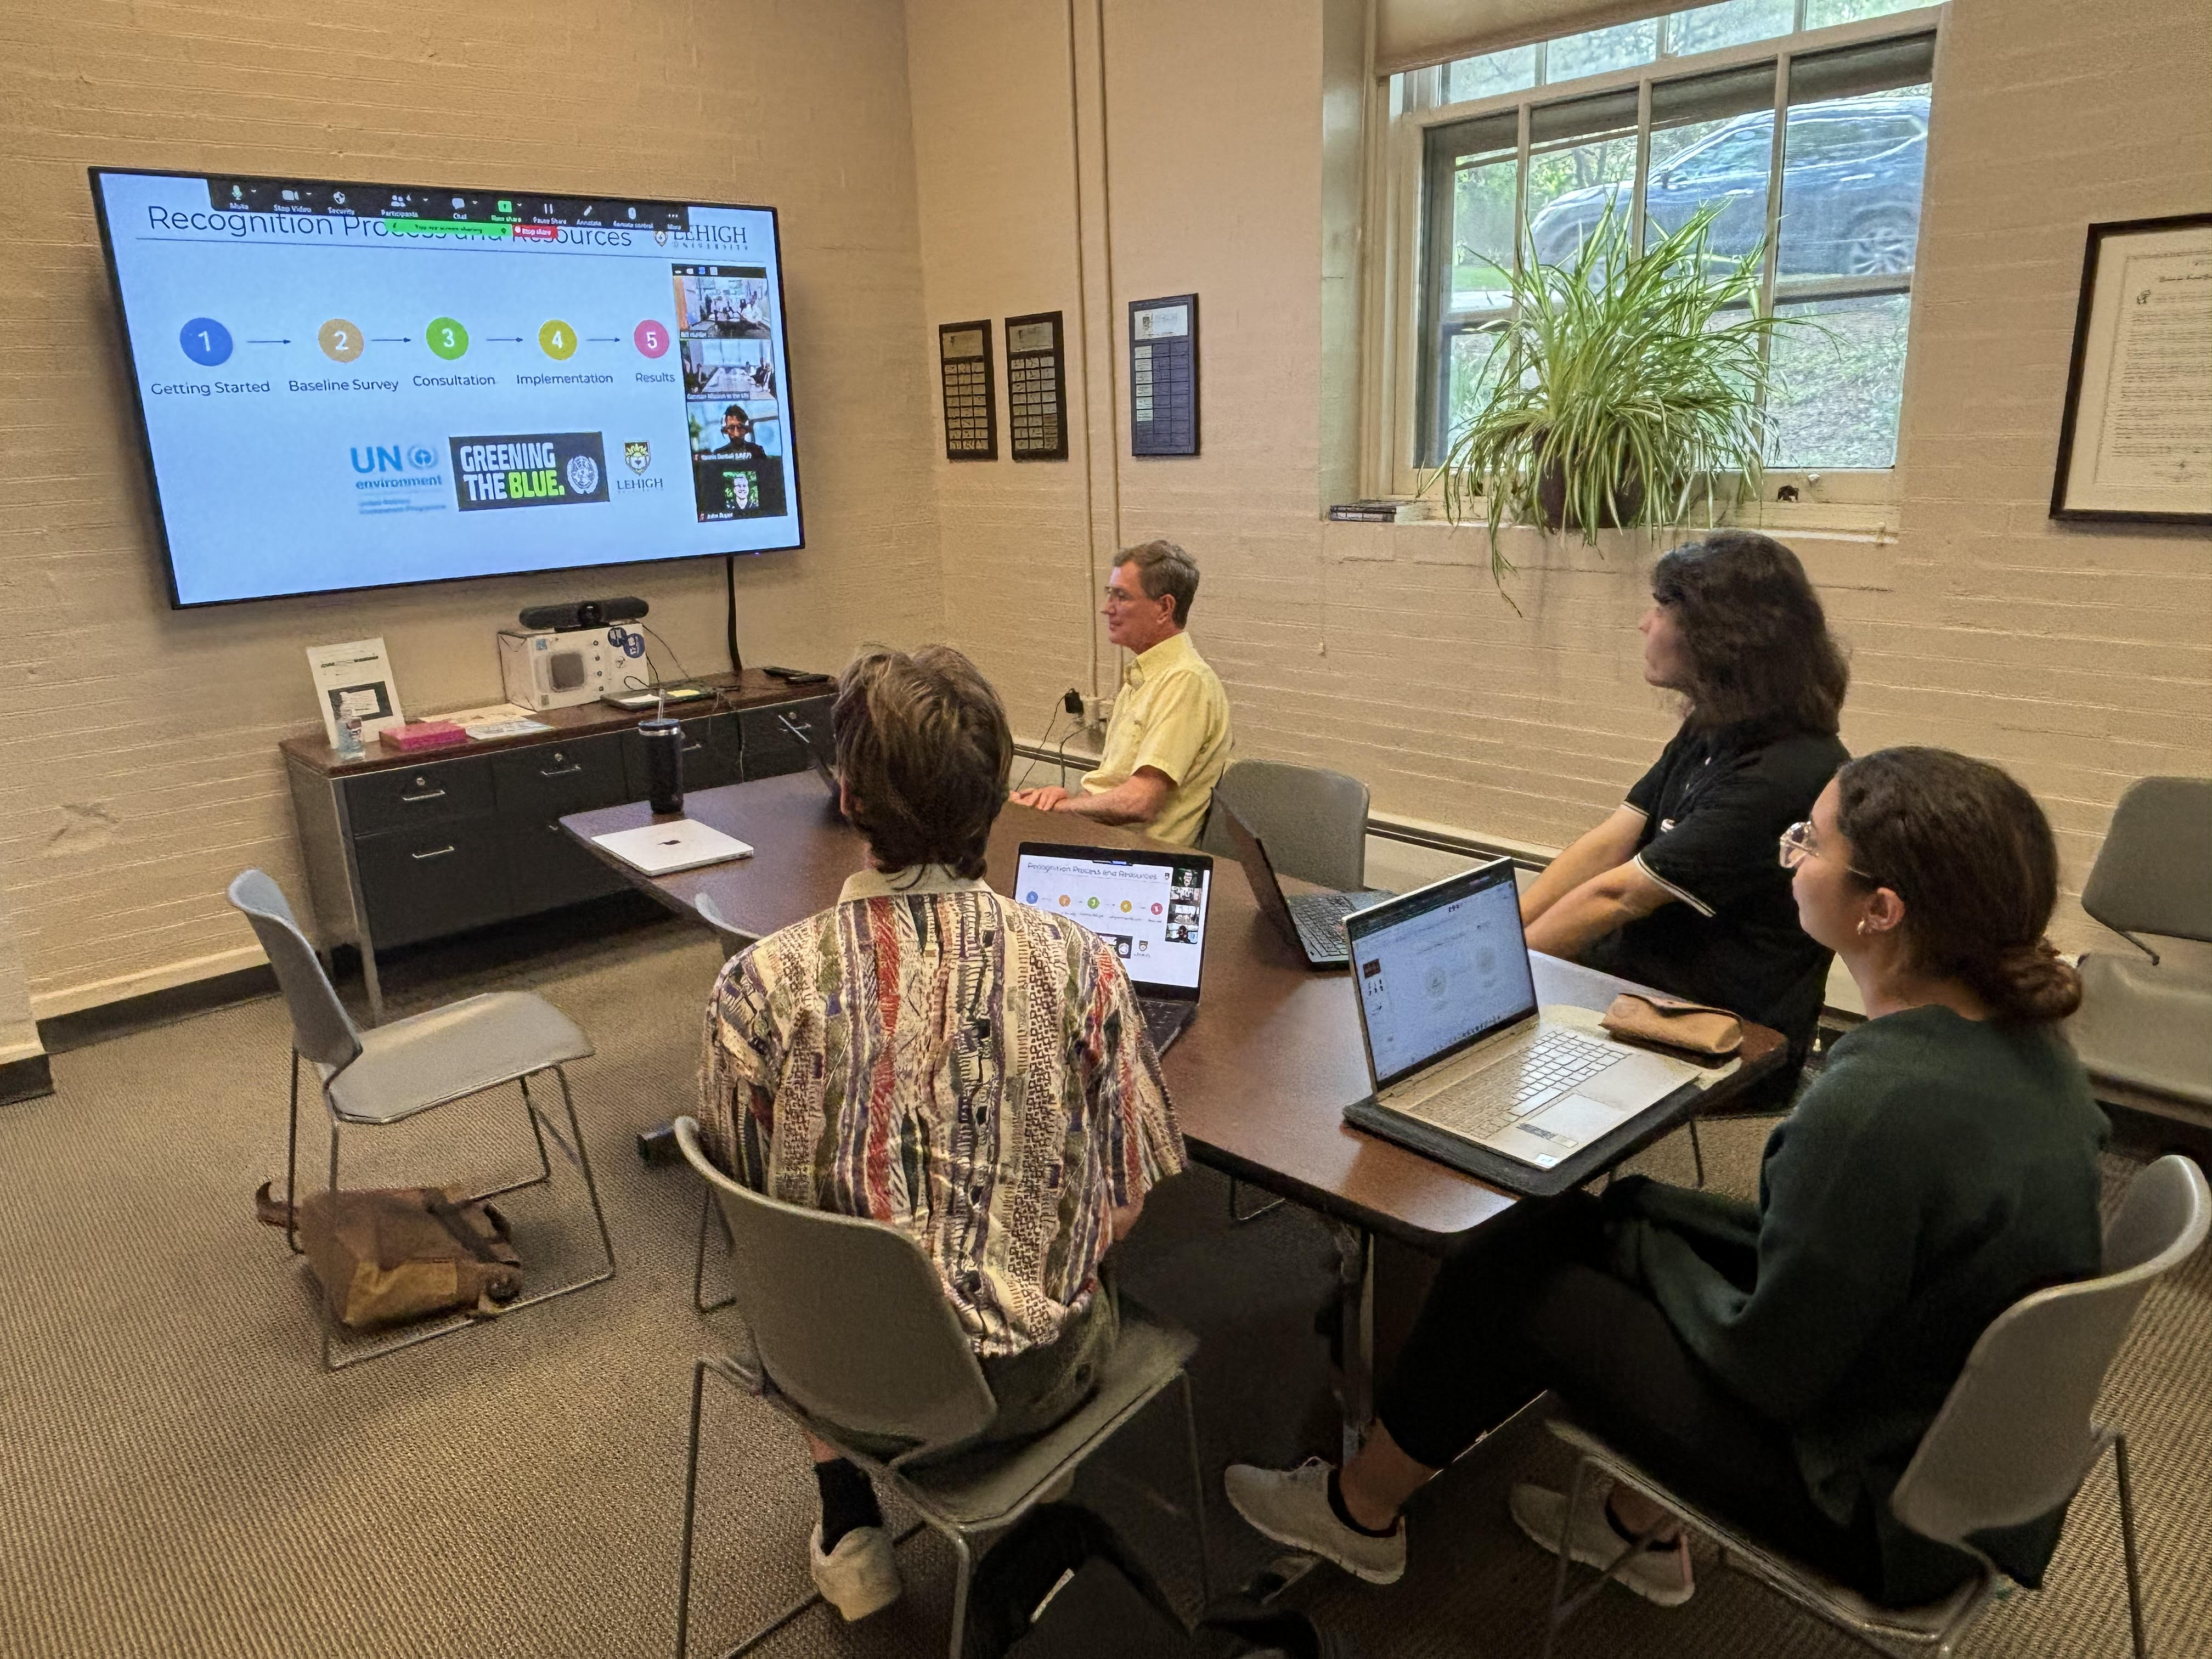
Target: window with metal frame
<point x="1812" y="144"/>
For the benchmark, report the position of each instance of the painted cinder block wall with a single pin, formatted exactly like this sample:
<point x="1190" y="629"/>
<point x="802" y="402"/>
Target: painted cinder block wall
<point x="2079" y="659"/>
<point x="138" y="745"/>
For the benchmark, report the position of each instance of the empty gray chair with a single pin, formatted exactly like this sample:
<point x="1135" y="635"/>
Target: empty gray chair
<point x="2015" y="1440"/>
<point x="2144" y="1022"/>
<point x="1312" y="820"/>
<point x="851" y="1335"/>
<point x="396" y="1071"/>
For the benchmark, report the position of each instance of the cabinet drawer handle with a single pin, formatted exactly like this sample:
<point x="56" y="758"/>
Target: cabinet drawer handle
<point x="434" y="794"/>
<point x="693" y="748"/>
<point x="559" y="771"/>
<point x="438" y="853"/>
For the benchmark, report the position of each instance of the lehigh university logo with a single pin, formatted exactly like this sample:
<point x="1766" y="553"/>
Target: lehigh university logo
<point x="639" y="455"/>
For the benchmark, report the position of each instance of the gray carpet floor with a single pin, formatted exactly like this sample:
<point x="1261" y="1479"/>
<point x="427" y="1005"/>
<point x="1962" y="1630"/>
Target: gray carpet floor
<point x="177" y="1476"/>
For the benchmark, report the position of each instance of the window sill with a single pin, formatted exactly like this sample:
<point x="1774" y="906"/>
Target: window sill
<point x="1843" y="546"/>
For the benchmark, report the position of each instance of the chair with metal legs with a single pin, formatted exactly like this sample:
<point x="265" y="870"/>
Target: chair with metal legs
<point x="2015" y="1440"/>
<point x="395" y="1072"/>
<point x="851" y="1338"/>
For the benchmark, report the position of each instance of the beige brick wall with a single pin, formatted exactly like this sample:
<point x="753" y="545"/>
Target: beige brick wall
<point x="138" y="745"/>
<point x="2079" y="659"/>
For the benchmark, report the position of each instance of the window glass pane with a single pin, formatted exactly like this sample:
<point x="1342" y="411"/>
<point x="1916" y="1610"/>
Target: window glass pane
<point x="1836" y="398"/>
<point x="1471" y="376"/>
<point x="1512" y="70"/>
<point x="1850" y="184"/>
<point x="1826" y="14"/>
<point x="1582" y="158"/>
<point x="1712" y="141"/>
<point x="1731" y="23"/>
<point x="1601" y="49"/>
<point x="1482" y="234"/>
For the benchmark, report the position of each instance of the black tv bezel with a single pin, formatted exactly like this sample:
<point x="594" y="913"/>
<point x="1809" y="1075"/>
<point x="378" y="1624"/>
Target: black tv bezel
<point x="93" y="174"/>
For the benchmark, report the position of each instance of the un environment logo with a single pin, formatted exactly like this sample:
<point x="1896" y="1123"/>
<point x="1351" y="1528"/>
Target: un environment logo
<point x="583" y="474"/>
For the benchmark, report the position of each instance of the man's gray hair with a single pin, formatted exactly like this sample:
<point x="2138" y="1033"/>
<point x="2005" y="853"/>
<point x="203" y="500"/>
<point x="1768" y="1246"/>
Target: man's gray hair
<point x="1165" y="570"/>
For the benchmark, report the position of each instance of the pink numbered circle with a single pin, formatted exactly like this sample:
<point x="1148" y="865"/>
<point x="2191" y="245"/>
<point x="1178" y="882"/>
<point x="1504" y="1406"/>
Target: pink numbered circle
<point x="652" y="338"/>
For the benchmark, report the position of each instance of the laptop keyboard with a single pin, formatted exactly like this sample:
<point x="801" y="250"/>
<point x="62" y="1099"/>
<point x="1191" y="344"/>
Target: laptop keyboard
<point x="1548" y="1067"/>
<point x="1164" y="1019"/>
<point x="1320" y="919"/>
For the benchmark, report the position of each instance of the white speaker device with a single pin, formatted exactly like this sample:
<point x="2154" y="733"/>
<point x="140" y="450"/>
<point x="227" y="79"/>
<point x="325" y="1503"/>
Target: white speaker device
<point x="559" y="668"/>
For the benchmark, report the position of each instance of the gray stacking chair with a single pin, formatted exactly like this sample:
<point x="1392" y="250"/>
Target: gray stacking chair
<point x="2015" y="1440"/>
<point x="2143" y="1022"/>
<point x="396" y="1071"/>
<point x="732" y="942"/>
<point x="1314" y="824"/>
<point x="850" y="1336"/>
<point x="1313" y="821"/>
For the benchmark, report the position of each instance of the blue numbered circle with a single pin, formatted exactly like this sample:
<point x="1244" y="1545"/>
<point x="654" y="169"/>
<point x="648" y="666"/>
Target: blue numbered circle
<point x="205" y="341"/>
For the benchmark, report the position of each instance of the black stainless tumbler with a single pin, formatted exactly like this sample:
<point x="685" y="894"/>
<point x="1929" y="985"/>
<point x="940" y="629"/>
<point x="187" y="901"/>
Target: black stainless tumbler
<point x="664" y="763"/>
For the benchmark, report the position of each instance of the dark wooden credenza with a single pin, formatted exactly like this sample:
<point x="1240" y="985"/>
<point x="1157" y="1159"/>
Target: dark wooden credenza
<point x="402" y="847"/>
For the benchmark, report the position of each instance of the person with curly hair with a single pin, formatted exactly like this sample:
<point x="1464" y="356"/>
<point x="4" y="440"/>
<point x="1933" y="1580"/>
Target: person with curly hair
<point x="1678" y="889"/>
<point x="1778" y="1362"/>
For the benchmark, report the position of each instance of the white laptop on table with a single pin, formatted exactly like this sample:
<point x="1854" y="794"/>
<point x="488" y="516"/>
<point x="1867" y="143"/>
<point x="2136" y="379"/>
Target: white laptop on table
<point x="1463" y="1061"/>
<point x="1149" y="906"/>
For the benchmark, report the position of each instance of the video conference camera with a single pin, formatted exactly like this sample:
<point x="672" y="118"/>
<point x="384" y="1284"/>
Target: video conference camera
<point x="584" y="613"/>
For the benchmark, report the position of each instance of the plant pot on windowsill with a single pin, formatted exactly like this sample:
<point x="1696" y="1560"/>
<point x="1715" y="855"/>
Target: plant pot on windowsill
<point x="1623" y="505"/>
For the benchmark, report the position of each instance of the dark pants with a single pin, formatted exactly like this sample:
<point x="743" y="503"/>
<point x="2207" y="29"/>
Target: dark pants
<point x="1533" y="1309"/>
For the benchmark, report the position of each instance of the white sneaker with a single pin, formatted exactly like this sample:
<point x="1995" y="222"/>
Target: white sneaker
<point x="861" y="1576"/>
<point x="1291" y="1507"/>
<point x="1657" y="1575"/>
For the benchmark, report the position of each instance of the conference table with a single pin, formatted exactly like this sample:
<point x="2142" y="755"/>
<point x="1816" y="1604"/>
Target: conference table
<point x="1261" y="1077"/>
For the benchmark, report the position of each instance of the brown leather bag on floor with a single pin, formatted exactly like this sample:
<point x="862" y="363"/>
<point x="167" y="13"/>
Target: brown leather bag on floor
<point x="402" y="1253"/>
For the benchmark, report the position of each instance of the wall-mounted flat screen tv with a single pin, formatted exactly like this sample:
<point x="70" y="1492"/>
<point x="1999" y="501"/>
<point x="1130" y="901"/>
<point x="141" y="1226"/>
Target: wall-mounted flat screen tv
<point x="349" y="385"/>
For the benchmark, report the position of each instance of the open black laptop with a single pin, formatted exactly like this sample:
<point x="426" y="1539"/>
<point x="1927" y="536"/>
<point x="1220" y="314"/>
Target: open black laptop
<point x="1151" y="907"/>
<point x="1311" y="922"/>
<point x="817" y="755"/>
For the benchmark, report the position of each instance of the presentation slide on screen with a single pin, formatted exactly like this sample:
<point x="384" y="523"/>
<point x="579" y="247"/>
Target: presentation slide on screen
<point x="1152" y="915"/>
<point x="355" y="386"/>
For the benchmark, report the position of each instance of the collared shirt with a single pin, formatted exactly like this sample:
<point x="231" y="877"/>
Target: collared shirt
<point x="1715" y="804"/>
<point x="973" y="1072"/>
<point x="1173" y="716"/>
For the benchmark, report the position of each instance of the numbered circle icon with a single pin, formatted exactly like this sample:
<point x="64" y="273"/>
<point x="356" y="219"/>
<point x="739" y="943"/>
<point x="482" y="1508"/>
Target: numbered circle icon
<point x="205" y="341"/>
<point x="652" y="338"/>
<point x="446" y="337"/>
<point x="557" y="339"/>
<point x="341" y="341"/>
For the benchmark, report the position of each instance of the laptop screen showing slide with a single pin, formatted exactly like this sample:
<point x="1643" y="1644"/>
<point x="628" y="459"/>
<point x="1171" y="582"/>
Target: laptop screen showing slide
<point x="1439" y="969"/>
<point x="1150" y="907"/>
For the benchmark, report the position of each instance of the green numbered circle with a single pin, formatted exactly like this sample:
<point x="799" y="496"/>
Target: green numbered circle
<point x="446" y="337"/>
<point x="557" y="339"/>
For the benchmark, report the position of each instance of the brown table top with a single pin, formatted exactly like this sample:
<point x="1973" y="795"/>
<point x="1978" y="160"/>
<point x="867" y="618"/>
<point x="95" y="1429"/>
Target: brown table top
<point x="1262" y="1075"/>
<point x="750" y="689"/>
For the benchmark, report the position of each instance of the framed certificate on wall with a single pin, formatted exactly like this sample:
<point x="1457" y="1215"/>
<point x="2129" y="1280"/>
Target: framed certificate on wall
<point x="2136" y="442"/>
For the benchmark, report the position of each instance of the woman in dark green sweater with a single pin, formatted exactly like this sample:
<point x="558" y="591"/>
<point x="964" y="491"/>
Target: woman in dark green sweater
<point x="1779" y="1363"/>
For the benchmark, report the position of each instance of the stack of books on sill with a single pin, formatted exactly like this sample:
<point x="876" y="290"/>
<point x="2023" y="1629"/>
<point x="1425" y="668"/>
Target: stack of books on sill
<point x="1381" y="510"/>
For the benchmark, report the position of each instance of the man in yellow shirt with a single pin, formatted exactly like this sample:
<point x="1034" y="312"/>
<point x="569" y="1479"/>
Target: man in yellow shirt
<point x="1168" y="741"/>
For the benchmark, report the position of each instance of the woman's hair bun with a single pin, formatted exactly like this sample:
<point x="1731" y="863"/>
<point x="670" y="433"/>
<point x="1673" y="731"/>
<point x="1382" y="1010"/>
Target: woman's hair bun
<point x="2033" y="981"/>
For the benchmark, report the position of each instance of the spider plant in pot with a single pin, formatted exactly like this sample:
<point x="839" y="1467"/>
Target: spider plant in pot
<point x="1625" y="389"/>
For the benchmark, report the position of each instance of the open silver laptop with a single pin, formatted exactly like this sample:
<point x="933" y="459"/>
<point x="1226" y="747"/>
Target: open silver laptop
<point x="1310" y="923"/>
<point x="1460" y="1054"/>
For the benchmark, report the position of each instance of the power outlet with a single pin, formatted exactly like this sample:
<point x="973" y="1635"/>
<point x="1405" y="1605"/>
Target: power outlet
<point x="1096" y="711"/>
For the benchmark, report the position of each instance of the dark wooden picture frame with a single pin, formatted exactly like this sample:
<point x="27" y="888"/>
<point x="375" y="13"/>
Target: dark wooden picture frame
<point x="2095" y="268"/>
<point x="1026" y="445"/>
<point x="960" y="401"/>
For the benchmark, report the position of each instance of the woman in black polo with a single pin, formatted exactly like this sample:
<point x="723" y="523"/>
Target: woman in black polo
<point x="1679" y="889"/>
